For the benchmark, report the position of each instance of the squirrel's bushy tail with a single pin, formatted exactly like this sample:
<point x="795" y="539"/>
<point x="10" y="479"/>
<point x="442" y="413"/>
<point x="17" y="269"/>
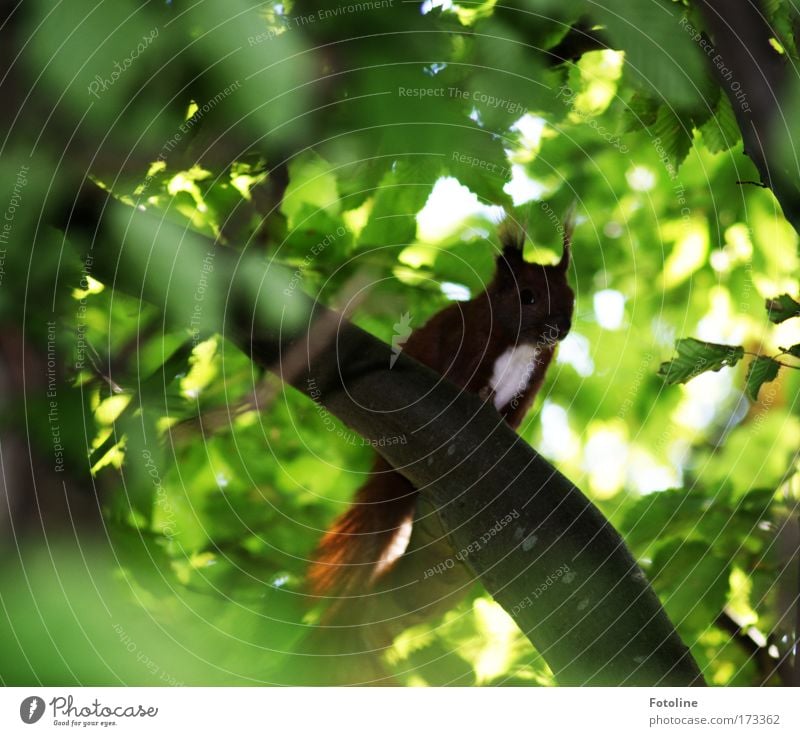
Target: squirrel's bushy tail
<point x="364" y="542"/>
<point x="369" y="573"/>
<point x="356" y="552"/>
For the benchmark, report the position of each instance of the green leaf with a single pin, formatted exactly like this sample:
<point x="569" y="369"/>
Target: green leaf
<point x="782" y="308"/>
<point x="471" y="264"/>
<point x="641" y="112"/>
<point x="402" y="193"/>
<point x="660" y="56"/>
<point x="782" y="17"/>
<point x="794" y="351"/>
<point x="674" y="135"/>
<point x="481" y="166"/>
<point x="712" y="513"/>
<point x="762" y="370"/>
<point x="671" y="513"/>
<point x="696" y="357"/>
<point x="691" y="581"/>
<point x="722" y="132"/>
<point x="312" y="182"/>
<point x="317" y="238"/>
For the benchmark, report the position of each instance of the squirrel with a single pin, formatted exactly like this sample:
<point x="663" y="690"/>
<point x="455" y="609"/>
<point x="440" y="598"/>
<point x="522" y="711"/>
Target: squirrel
<point x="497" y="345"/>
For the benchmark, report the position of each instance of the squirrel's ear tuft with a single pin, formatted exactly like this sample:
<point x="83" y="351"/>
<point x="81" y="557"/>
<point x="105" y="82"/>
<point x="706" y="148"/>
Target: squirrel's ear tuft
<point x="511" y="234"/>
<point x="509" y="264"/>
<point x="563" y="263"/>
<point x="567" y="228"/>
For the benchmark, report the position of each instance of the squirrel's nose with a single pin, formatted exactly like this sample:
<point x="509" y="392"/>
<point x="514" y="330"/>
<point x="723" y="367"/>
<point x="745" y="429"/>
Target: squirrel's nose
<point x="563" y="324"/>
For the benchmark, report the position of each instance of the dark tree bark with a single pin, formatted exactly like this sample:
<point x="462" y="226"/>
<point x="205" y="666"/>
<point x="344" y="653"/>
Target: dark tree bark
<point x="553" y="561"/>
<point x="763" y="79"/>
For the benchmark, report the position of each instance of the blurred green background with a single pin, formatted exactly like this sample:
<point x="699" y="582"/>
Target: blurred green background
<point x="162" y="495"/>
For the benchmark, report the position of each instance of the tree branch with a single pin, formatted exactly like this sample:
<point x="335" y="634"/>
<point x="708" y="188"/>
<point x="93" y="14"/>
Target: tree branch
<point x="762" y="93"/>
<point x="597" y="623"/>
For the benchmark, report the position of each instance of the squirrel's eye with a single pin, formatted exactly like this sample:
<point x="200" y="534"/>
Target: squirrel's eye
<point x="526" y="296"/>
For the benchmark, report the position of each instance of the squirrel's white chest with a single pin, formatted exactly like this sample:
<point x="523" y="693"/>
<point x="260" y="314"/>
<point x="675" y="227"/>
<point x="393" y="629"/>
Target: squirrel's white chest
<point x="512" y="373"/>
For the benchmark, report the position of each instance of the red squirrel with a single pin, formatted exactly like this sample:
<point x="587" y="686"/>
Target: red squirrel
<point x="498" y="345"/>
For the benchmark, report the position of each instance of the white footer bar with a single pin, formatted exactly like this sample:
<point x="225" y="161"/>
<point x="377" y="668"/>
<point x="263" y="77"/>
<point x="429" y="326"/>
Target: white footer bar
<point x="398" y="712"/>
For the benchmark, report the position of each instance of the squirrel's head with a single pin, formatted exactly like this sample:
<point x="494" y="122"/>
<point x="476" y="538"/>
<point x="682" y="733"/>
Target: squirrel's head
<point x="532" y="301"/>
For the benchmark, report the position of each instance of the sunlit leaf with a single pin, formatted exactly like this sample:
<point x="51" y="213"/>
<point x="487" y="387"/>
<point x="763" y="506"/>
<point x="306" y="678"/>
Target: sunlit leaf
<point x="782" y="308"/>
<point x="660" y="54"/>
<point x="696" y="357"/>
<point x="402" y="193"/>
<point x="692" y="580"/>
<point x="762" y="370"/>
<point x="688" y="254"/>
<point x="721" y="132"/>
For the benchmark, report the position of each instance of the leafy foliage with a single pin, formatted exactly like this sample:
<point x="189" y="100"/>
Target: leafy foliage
<point x="782" y="308"/>
<point x="762" y="370"/>
<point x="696" y="357"/>
<point x="379" y="147"/>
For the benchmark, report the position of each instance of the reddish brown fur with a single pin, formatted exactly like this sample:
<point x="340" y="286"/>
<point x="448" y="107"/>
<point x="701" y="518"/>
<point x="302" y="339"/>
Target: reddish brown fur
<point x="462" y="343"/>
